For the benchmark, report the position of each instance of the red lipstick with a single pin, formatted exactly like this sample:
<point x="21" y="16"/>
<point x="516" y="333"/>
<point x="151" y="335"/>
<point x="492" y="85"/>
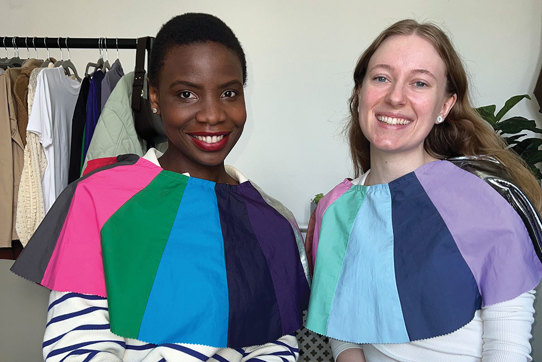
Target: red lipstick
<point x="202" y="143"/>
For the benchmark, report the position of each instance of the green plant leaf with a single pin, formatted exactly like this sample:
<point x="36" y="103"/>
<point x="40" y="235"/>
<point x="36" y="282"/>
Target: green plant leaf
<point x="317" y="198"/>
<point x="532" y="157"/>
<point x="509" y="104"/>
<point x="512" y="140"/>
<point x="527" y="145"/>
<point x="488" y="113"/>
<point x="517" y="124"/>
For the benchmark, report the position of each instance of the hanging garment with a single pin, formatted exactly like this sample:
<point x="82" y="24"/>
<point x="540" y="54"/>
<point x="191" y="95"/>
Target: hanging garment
<point x="93" y="108"/>
<point x="30" y="204"/>
<point x="110" y="80"/>
<point x="20" y="90"/>
<point x="50" y="119"/>
<point x="11" y="162"/>
<point x="419" y="256"/>
<point x="115" y="133"/>
<point x="78" y="128"/>
<point x="147" y="234"/>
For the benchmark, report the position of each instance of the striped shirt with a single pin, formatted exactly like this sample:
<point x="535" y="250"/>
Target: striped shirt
<point x="78" y="330"/>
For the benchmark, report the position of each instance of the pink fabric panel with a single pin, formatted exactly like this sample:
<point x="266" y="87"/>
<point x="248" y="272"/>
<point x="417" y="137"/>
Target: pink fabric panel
<point x="76" y="263"/>
<point x="321" y="209"/>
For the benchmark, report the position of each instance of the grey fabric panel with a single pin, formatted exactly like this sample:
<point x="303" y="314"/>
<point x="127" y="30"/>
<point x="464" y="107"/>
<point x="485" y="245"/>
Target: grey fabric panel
<point x="35" y="257"/>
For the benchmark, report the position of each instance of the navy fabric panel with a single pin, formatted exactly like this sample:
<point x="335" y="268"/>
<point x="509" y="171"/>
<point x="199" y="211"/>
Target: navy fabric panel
<point x="254" y="316"/>
<point x="34" y="258"/>
<point x="436" y="287"/>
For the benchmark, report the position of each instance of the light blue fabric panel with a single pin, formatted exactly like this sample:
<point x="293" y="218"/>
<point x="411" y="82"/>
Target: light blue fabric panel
<point x="196" y="230"/>
<point x="370" y="272"/>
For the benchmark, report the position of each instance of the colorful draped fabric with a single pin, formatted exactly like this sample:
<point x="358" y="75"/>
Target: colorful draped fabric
<point x="415" y="258"/>
<point x="180" y="259"/>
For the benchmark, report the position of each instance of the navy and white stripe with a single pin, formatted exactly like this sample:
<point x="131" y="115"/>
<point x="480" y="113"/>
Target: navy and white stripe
<point x="78" y="330"/>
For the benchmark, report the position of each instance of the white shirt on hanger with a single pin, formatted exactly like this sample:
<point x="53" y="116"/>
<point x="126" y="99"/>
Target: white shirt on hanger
<point x="51" y="120"/>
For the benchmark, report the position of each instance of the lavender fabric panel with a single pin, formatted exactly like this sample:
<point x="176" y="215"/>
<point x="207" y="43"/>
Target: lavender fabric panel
<point x="277" y="241"/>
<point x="488" y="232"/>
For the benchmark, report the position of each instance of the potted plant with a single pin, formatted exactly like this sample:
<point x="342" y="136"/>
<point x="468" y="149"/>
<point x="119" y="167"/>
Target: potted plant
<point x="512" y="130"/>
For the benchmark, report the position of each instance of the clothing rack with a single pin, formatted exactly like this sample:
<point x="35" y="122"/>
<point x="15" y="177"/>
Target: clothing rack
<point x="33" y="42"/>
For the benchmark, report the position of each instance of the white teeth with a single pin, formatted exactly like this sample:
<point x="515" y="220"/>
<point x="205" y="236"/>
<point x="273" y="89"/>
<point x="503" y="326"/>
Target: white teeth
<point x="392" y="120"/>
<point x="210" y="139"/>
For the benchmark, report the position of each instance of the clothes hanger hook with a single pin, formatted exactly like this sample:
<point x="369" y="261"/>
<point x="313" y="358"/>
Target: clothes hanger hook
<point x="105" y="46"/>
<point x="26" y="43"/>
<point x="15" y="46"/>
<point x="67" y="47"/>
<point x="58" y="43"/>
<point x="34" y="44"/>
<point x="46" y="47"/>
<point x="117" y="42"/>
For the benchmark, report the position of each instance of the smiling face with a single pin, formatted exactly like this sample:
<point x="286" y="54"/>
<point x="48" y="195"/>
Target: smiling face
<point x="401" y="96"/>
<point x="200" y="99"/>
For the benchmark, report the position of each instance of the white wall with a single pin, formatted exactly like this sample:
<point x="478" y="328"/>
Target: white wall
<point x="300" y="57"/>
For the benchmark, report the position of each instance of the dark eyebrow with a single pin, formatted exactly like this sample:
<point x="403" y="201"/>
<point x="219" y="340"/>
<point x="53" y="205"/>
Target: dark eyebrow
<point x="196" y="86"/>
<point x="184" y="83"/>
<point x="231" y="83"/>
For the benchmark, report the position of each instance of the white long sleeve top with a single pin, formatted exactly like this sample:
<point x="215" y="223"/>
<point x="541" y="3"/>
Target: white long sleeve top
<point x="500" y="332"/>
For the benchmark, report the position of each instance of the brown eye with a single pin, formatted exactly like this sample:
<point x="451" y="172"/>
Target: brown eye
<point x="229" y="94"/>
<point x="186" y="95"/>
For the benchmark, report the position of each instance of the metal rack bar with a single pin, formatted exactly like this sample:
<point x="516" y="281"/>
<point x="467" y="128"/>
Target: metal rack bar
<point x="71" y="43"/>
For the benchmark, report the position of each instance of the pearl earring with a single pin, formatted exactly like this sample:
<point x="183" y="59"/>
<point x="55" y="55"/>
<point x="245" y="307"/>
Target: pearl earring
<point x="439" y="120"/>
<point x="154" y="110"/>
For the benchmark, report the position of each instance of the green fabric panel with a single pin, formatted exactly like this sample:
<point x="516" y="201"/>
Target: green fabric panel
<point x="133" y="241"/>
<point x="335" y="228"/>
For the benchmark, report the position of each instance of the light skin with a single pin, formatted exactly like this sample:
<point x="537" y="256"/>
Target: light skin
<point x="400" y="98"/>
<point x="200" y="99"/>
<point x="351" y="355"/>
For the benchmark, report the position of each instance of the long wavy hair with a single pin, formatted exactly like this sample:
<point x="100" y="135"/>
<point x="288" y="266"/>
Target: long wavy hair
<point x="464" y="133"/>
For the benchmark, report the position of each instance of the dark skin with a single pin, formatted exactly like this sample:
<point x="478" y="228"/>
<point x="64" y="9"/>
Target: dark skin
<point x="200" y="98"/>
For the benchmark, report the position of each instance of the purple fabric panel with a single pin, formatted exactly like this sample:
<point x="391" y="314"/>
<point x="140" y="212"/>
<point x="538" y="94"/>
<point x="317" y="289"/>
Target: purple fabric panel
<point x="277" y="241"/>
<point x="488" y="232"/>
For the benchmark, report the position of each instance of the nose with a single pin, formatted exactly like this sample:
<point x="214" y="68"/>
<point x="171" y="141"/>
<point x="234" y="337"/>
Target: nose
<point x="211" y="112"/>
<point x="396" y="94"/>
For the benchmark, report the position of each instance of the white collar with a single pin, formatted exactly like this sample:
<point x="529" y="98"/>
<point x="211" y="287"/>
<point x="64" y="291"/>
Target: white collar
<point x="153" y="155"/>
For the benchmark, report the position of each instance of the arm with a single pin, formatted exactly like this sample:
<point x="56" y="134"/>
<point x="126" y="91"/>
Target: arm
<point x="283" y="349"/>
<point x="346" y="352"/>
<point x="507" y="329"/>
<point x="78" y="329"/>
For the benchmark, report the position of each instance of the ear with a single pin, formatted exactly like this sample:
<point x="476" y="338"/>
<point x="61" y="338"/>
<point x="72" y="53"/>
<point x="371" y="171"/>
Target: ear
<point x="448" y="105"/>
<point x="153" y="96"/>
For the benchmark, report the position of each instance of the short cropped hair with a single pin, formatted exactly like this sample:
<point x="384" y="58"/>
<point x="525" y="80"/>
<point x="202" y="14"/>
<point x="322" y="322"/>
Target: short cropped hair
<point x="192" y="28"/>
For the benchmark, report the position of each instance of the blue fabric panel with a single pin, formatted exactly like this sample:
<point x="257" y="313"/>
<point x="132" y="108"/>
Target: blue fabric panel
<point x="369" y="268"/>
<point x="433" y="276"/>
<point x="196" y="230"/>
<point x="254" y="312"/>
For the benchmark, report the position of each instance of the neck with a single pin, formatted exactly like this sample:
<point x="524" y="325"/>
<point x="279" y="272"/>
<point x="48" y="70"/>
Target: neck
<point x="386" y="166"/>
<point x="216" y="173"/>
